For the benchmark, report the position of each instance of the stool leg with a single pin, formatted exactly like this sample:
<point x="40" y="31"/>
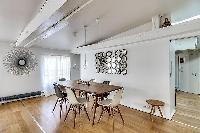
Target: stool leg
<point x="160" y="111"/>
<point x="151" y="112"/>
<point x="153" y="107"/>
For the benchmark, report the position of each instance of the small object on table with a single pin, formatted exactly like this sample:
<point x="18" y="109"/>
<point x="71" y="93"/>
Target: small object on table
<point x="154" y="104"/>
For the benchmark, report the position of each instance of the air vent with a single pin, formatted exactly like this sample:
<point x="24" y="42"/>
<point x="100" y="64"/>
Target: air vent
<point x="20" y="97"/>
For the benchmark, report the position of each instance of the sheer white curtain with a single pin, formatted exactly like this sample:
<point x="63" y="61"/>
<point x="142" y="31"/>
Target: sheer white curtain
<point x="55" y="67"/>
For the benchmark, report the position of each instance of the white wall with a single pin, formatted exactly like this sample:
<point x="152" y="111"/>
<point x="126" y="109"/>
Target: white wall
<point x="148" y="64"/>
<point x="12" y="85"/>
<point x="148" y="73"/>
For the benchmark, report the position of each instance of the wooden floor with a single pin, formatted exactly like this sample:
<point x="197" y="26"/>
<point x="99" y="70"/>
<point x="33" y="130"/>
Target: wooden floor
<point x="34" y="116"/>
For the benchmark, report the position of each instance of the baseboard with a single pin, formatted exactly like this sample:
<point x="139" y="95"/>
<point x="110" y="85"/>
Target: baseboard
<point x="187" y="92"/>
<point x="20" y="97"/>
<point x="172" y="114"/>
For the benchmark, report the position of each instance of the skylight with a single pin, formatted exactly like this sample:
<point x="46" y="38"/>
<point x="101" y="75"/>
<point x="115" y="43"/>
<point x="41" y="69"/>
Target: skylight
<point x="187" y="20"/>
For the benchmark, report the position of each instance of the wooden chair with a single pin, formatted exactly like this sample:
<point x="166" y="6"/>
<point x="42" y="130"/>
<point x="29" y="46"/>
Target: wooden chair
<point x="105" y="95"/>
<point x="61" y="98"/>
<point x="75" y="104"/>
<point x="112" y="105"/>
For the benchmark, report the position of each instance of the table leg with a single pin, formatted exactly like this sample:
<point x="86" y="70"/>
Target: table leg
<point x="79" y="93"/>
<point x="86" y="96"/>
<point x="95" y="107"/>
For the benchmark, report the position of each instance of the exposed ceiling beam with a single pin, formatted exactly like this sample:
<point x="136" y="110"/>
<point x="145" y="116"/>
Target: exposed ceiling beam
<point x="48" y="8"/>
<point x="56" y="22"/>
<point x="59" y="24"/>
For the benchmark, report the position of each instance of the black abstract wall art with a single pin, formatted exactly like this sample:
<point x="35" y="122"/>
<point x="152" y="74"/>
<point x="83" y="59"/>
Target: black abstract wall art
<point x="112" y="62"/>
<point x="20" y="61"/>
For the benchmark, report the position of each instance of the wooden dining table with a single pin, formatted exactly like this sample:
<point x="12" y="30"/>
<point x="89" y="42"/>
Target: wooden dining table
<point x="97" y="89"/>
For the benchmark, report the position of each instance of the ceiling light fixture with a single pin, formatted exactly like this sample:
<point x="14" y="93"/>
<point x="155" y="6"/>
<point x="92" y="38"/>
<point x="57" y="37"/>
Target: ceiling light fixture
<point x="85" y="28"/>
<point x="85" y="62"/>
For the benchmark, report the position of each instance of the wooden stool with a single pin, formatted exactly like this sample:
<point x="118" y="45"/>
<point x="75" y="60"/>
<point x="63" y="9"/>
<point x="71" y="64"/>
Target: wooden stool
<point x="154" y="104"/>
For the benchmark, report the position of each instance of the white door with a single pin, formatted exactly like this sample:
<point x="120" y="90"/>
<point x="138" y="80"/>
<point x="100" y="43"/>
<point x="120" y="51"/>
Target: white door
<point x="194" y="72"/>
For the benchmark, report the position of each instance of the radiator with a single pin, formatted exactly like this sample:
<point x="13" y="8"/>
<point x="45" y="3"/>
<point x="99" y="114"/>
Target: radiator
<point x="20" y="97"/>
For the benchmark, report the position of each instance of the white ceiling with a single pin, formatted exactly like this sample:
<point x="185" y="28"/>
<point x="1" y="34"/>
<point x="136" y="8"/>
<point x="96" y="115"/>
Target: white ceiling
<point x="62" y="40"/>
<point x="14" y="16"/>
<point x="115" y="16"/>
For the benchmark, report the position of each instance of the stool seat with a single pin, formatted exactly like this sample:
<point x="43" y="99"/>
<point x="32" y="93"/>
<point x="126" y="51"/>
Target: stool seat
<point x="155" y="102"/>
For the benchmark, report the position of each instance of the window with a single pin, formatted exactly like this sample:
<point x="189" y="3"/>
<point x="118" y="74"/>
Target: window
<point x="55" y="67"/>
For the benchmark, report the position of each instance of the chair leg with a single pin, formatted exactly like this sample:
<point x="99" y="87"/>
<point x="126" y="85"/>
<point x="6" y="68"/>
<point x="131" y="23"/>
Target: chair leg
<point x="61" y="108"/>
<point x="110" y="110"/>
<point x="65" y="100"/>
<point x="79" y="109"/>
<point x="68" y="112"/>
<point x="93" y="105"/>
<point x="120" y="114"/>
<point x="55" y="105"/>
<point x="86" y="112"/>
<point x="74" y="108"/>
<point x="113" y="117"/>
<point x="102" y="110"/>
<point x="86" y="96"/>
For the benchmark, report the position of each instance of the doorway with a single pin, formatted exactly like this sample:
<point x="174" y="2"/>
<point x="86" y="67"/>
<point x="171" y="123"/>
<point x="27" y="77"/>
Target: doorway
<point x="185" y="65"/>
<point x="187" y="70"/>
<point x="185" y="79"/>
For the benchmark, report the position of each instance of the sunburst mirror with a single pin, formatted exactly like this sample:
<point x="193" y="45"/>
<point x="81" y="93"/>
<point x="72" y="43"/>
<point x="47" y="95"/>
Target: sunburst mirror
<point x="20" y="61"/>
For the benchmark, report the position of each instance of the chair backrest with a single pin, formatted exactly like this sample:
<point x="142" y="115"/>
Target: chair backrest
<point x="62" y="79"/>
<point x="58" y="91"/>
<point x="92" y="80"/>
<point x="117" y="98"/>
<point x="106" y="82"/>
<point x="71" y="96"/>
